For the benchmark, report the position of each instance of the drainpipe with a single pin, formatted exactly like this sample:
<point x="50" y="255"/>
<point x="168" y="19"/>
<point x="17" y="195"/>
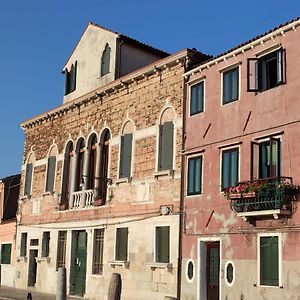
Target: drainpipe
<point x="181" y="213"/>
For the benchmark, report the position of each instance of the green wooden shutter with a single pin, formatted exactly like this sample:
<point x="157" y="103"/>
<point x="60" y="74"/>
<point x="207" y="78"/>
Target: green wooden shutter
<point x="126" y="153"/>
<point x="45" y="244"/>
<point x="67" y="81"/>
<point x="28" y="179"/>
<point x="162" y="244"/>
<point x="269" y="265"/>
<point x="50" y="173"/>
<point x="121" y="244"/>
<point x="165" y="157"/>
<point x="105" y="60"/>
<point x="5" y="253"/>
<point x="23" y="249"/>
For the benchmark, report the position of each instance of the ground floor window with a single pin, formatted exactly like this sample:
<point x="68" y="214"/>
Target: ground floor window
<point x="162" y="244"/>
<point x="269" y="260"/>
<point x="23" y="248"/>
<point x="61" y="249"/>
<point x="45" y="244"/>
<point x="98" y="251"/>
<point x="5" y="253"/>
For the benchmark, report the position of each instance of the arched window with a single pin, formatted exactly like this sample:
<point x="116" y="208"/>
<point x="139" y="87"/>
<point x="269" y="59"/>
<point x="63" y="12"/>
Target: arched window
<point x="92" y="162"/>
<point x="79" y="180"/>
<point x="166" y="141"/>
<point x="67" y="173"/>
<point x="105" y="60"/>
<point x="51" y="167"/>
<point x="103" y="174"/>
<point x="28" y="175"/>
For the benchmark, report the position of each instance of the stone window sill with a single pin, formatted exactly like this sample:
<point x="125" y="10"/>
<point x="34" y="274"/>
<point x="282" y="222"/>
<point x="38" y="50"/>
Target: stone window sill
<point x="43" y="259"/>
<point x="122" y="263"/>
<point x="157" y="265"/>
<point x="163" y="173"/>
<point x="123" y="180"/>
<point x="26" y="197"/>
<point x="21" y="259"/>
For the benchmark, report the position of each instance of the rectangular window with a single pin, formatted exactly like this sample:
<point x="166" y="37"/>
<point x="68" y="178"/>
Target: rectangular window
<point x="194" y="175"/>
<point x="121" y="244"/>
<point x="196" y="98"/>
<point x="50" y="173"/>
<point x="269" y="260"/>
<point x="23" y="248"/>
<point x="231" y="85"/>
<point x="28" y="179"/>
<point x="230" y="167"/>
<point x="5" y="253"/>
<point x="165" y="152"/>
<point x="61" y="249"/>
<point x="45" y="244"/>
<point x="70" y="79"/>
<point x="98" y="251"/>
<point x="125" y="157"/>
<point x="34" y="242"/>
<point x="265" y="159"/>
<point x="162" y="244"/>
<point x="266" y="72"/>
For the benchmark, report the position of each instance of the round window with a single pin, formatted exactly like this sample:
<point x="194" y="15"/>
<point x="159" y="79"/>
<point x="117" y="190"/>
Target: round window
<point x="190" y="270"/>
<point x="229" y="273"/>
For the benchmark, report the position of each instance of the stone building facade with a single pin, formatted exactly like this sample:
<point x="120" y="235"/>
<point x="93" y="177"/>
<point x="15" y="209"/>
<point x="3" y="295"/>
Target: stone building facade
<point x="241" y="225"/>
<point x="100" y="185"/>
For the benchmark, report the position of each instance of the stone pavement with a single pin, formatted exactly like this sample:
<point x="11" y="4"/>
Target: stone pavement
<point x="8" y="293"/>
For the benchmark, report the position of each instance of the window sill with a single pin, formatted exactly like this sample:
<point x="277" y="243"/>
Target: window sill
<point x="268" y="286"/>
<point x="43" y="259"/>
<point x="27" y="197"/>
<point x="163" y="173"/>
<point x="48" y="194"/>
<point x="123" y="180"/>
<point x="157" y="265"/>
<point x="21" y="259"/>
<point x="122" y="263"/>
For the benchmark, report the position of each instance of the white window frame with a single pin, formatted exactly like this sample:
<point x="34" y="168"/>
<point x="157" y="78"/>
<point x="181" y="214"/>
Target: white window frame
<point x="190" y="85"/>
<point x="226" y="69"/>
<point x="187" y="175"/>
<point x="154" y="244"/>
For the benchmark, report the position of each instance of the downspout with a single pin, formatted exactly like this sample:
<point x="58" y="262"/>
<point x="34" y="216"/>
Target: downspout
<point x="181" y="205"/>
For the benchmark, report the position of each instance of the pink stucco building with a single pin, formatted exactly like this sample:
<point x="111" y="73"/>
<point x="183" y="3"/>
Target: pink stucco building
<point x="240" y="225"/>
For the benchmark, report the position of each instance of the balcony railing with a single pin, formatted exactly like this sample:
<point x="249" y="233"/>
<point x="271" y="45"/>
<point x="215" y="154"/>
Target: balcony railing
<point x="266" y="196"/>
<point x="82" y="199"/>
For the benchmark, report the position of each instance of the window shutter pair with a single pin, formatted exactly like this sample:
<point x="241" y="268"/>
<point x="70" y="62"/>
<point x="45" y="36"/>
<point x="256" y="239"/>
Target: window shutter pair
<point x="126" y="153"/>
<point x="269" y="266"/>
<point x="50" y="173"/>
<point x="121" y="244"/>
<point x="165" y="155"/>
<point x="28" y="179"/>
<point x="257" y="74"/>
<point x="162" y="244"/>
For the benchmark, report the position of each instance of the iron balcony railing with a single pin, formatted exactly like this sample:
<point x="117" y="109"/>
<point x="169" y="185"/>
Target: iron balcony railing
<point x="274" y="193"/>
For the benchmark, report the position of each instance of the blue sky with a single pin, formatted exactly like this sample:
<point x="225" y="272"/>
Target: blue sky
<point x="38" y="36"/>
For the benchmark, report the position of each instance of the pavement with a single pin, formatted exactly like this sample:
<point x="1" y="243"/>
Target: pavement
<point x="8" y="293"/>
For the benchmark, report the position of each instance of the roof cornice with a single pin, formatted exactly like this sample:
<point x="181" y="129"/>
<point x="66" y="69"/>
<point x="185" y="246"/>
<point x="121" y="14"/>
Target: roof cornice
<point x="121" y="83"/>
<point x="281" y="30"/>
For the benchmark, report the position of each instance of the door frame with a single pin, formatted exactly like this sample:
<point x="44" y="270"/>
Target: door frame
<point x="201" y="263"/>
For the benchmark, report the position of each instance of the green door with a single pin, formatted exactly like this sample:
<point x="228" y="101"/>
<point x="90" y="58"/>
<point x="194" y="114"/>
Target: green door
<point x="80" y="263"/>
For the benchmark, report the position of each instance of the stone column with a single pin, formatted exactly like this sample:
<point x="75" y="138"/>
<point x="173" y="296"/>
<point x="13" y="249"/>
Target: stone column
<point x="72" y="177"/>
<point x="98" y="169"/>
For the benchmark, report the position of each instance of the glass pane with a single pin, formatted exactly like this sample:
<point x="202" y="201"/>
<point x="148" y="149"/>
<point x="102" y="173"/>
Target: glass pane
<point x="225" y="170"/>
<point x="234" y="167"/>
<point x="191" y="175"/>
<point x="234" y="81"/>
<point x="198" y="170"/>
<point x="197" y="98"/>
<point x="226" y="88"/>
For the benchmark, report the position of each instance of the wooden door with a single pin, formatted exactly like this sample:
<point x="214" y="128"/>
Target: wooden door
<point x="32" y="269"/>
<point x="80" y="263"/>
<point x="213" y="270"/>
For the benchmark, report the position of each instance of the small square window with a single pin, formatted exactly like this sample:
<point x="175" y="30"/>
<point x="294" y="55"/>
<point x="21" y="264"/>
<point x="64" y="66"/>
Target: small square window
<point x="231" y="85"/>
<point x="196" y="98"/>
<point x="194" y="175"/>
<point x="162" y="244"/>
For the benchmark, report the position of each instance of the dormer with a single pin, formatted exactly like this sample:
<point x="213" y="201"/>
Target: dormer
<point x="100" y="57"/>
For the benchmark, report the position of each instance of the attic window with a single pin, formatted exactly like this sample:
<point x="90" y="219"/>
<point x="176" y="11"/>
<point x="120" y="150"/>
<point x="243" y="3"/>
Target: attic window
<point x="70" y="79"/>
<point x="105" y="60"/>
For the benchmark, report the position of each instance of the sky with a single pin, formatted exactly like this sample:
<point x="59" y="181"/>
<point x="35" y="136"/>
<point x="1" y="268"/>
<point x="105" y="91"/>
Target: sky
<point x="37" y="38"/>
